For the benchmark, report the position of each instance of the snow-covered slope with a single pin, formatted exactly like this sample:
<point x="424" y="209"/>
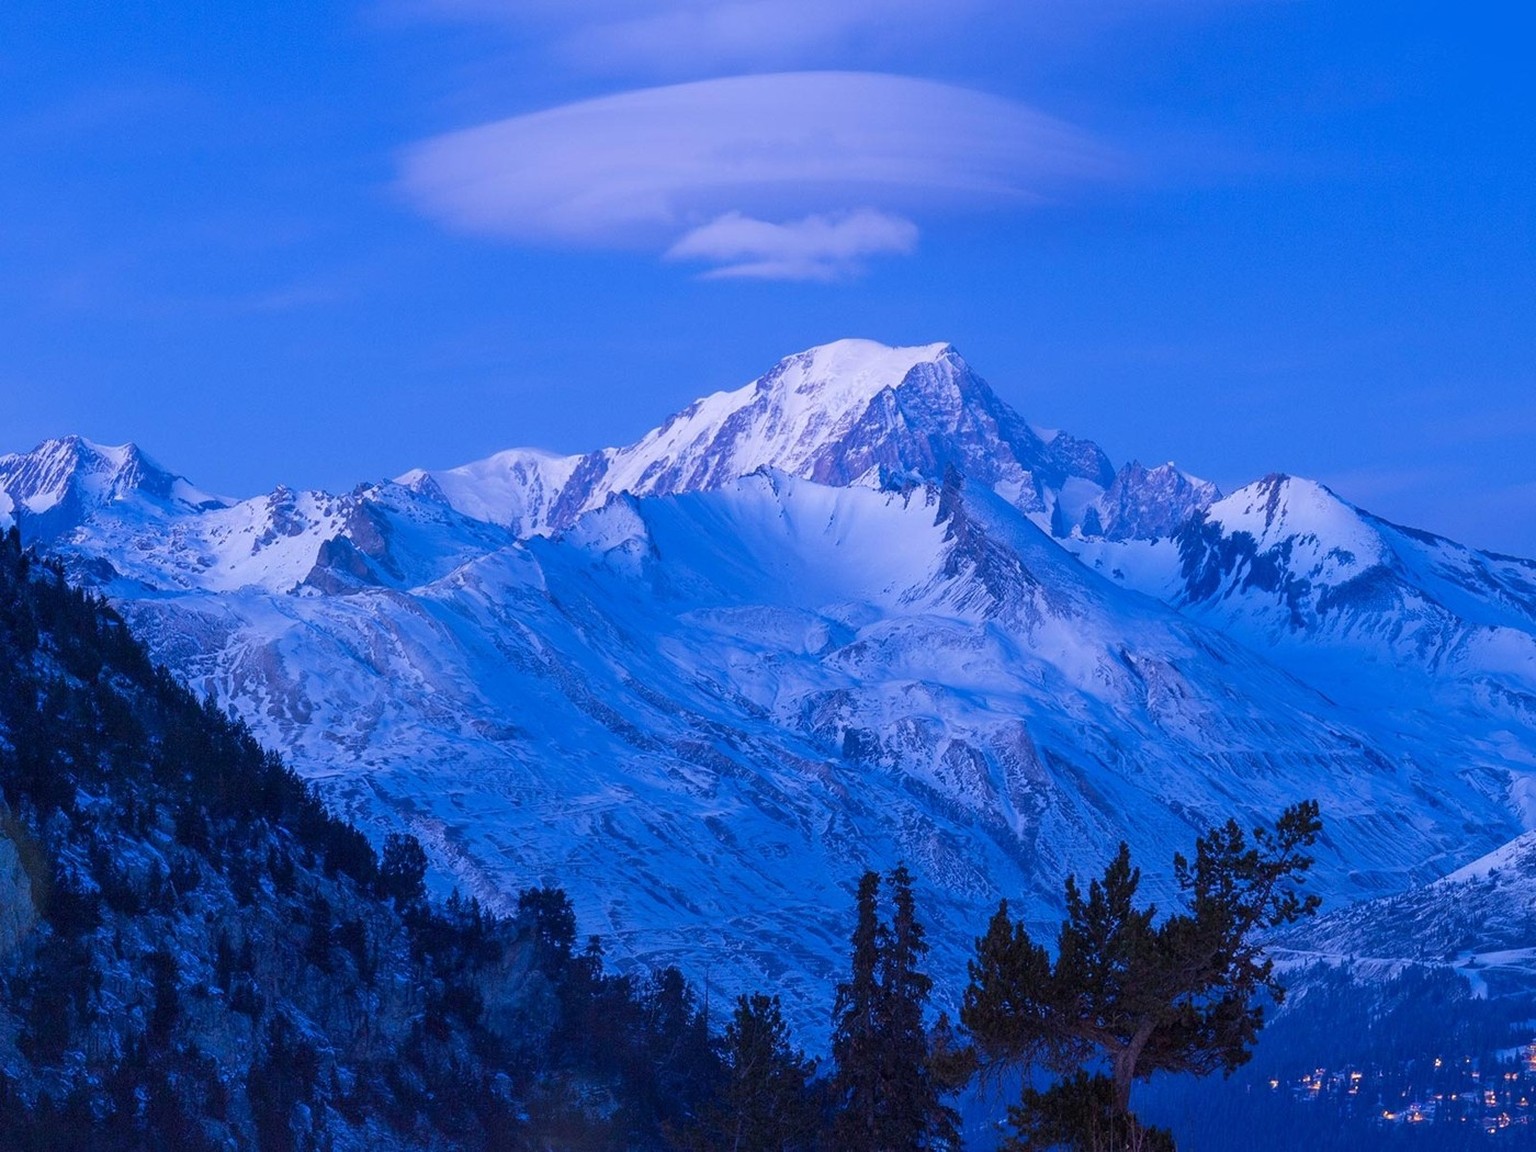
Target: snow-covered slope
<point x="519" y="488"/>
<point x="706" y="713"/>
<point x="1286" y="557"/>
<point x="375" y="536"/>
<point x="826" y="622"/>
<point x="1410" y="628"/>
<point x="1479" y="920"/>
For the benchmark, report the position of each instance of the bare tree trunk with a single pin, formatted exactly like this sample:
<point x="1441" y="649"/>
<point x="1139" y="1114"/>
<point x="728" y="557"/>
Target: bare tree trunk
<point x="1124" y="1064"/>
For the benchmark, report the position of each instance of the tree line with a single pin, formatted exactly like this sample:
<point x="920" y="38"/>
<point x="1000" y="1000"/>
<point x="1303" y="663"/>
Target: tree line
<point x="1126" y="995"/>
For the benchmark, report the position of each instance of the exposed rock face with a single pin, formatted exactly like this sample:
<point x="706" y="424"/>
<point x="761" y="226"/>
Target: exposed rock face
<point x="18" y="913"/>
<point x="852" y="412"/>
<point x="1146" y="503"/>
<point x="53" y="488"/>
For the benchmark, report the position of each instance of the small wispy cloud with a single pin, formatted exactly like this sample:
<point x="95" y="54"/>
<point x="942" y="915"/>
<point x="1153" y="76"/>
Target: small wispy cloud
<point x="749" y="33"/>
<point x="698" y="170"/>
<point x="676" y="39"/>
<point x="679" y="38"/>
<point x="296" y="297"/>
<point x="815" y="248"/>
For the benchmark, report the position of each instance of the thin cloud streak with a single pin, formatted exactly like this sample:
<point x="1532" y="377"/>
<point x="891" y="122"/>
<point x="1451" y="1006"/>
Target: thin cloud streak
<point x="677" y="39"/>
<point x="752" y="33"/>
<point x="648" y="167"/>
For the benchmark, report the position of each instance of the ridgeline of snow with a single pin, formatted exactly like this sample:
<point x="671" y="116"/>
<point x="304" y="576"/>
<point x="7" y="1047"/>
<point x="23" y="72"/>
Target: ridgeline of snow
<point x="850" y="412"/>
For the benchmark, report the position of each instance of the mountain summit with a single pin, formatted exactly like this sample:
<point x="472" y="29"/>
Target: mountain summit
<point x="850" y="412"/>
<point x="856" y="412"/>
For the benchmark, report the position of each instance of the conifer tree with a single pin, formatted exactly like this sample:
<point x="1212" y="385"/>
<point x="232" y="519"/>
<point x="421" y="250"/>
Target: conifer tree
<point x="403" y="869"/>
<point x="1136" y="995"/>
<point x="886" y="1090"/>
<point x="765" y="1103"/>
<point x="917" y="1116"/>
<point x="856" y="1028"/>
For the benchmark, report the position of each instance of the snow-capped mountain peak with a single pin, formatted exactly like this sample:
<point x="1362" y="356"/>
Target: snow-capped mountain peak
<point x="810" y="416"/>
<point x="844" y="375"/>
<point x="517" y="488"/>
<point x="849" y="412"/>
<point x="1280" y="507"/>
<point x="54" y="486"/>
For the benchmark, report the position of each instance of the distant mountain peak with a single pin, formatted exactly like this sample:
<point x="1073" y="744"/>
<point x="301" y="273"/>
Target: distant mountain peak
<point x="1284" y="505"/>
<point x="848" y="373"/>
<point x="51" y="488"/>
<point x="1146" y="503"/>
<point x="817" y="414"/>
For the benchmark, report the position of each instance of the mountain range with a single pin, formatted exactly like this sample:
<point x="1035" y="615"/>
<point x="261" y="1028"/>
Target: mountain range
<point x="856" y="611"/>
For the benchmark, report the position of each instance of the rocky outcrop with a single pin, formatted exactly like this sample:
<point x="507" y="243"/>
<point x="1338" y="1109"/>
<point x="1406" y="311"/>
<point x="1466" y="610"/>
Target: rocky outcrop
<point x="1148" y="503"/>
<point x="18" y="911"/>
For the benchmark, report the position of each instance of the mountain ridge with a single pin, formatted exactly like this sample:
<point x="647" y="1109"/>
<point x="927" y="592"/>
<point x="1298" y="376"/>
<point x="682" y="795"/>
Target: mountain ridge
<point x="52" y="487"/>
<point x="742" y="689"/>
<point x="848" y="412"/>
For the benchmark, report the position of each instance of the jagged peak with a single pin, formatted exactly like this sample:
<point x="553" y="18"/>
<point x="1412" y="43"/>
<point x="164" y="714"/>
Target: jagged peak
<point x="1144" y="503"/>
<point x="830" y="381"/>
<point x="789" y="418"/>
<point x="72" y="452"/>
<point x="1167" y="468"/>
<point x="848" y="412"/>
<point x="41" y="478"/>
<point x="64" y="477"/>
<point x="853" y="370"/>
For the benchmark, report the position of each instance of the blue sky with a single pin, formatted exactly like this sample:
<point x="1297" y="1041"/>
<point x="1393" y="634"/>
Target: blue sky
<point x="320" y="243"/>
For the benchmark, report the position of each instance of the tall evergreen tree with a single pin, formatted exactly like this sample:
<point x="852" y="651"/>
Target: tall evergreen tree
<point x="916" y="1116"/>
<point x="887" y="1093"/>
<point x="856" y="1029"/>
<point x="765" y="1103"/>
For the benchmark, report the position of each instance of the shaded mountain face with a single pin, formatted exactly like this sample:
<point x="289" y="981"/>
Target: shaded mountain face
<point x="1148" y="503"/>
<point x="856" y="612"/>
<point x="1407" y="627"/>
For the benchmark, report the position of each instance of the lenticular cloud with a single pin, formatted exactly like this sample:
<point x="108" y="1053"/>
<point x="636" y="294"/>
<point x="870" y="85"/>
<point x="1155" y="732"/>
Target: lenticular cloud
<point x="682" y="168"/>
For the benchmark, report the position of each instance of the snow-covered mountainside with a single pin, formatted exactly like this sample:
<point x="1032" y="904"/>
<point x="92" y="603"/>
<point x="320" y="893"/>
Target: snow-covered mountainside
<point x="1479" y="920"/>
<point x="1410" y="628"/>
<point x="832" y="620"/>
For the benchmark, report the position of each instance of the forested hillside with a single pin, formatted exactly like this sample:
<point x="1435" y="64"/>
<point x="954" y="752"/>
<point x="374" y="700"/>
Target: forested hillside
<point x="195" y="954"/>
